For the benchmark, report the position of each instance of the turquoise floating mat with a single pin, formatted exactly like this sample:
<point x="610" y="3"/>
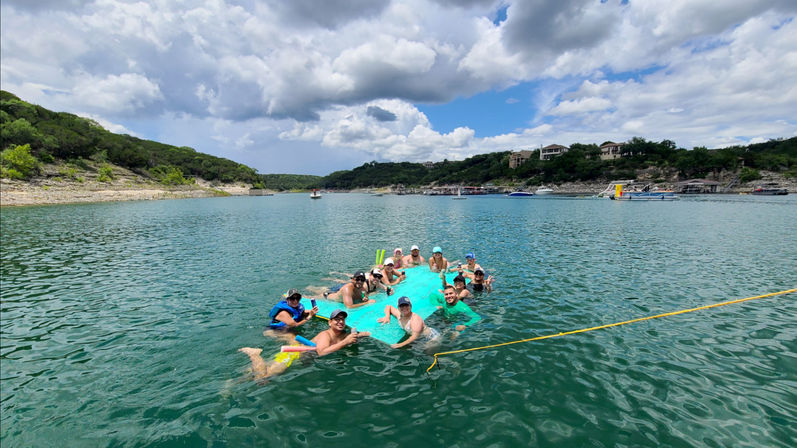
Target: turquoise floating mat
<point x="418" y="285"/>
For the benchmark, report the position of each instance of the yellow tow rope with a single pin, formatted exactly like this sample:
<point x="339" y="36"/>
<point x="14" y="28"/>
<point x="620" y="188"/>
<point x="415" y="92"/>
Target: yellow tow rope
<point x="583" y="330"/>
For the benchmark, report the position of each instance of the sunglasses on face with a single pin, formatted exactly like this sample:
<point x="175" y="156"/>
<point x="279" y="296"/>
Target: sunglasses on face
<point x="295" y="298"/>
<point x="378" y="275"/>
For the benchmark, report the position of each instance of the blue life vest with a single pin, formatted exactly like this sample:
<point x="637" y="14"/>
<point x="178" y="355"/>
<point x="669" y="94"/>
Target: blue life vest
<point x="296" y="313"/>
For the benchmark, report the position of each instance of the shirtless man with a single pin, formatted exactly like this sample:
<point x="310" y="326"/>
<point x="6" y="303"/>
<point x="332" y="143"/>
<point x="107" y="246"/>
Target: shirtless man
<point x="392" y="276"/>
<point x="414" y="258"/>
<point x="351" y="294"/>
<point x="327" y="341"/>
<point x="437" y="263"/>
<point x="335" y="337"/>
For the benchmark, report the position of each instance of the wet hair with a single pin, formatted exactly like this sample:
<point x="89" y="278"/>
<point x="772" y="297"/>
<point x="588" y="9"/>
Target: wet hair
<point x="448" y="287"/>
<point x="459" y="278"/>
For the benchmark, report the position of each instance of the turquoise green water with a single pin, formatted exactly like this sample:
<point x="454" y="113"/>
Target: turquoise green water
<point x="121" y="323"/>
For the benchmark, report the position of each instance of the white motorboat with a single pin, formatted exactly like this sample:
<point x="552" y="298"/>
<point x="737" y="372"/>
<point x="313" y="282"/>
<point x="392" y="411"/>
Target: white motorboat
<point x="543" y="190"/>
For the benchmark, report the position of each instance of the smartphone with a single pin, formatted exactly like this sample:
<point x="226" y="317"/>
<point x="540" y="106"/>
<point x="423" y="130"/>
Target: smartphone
<point x="312" y="302"/>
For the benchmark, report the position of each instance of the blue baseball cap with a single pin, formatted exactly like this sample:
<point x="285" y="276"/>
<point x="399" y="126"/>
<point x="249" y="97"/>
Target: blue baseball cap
<point x="470" y="255"/>
<point x="404" y="300"/>
<point x="437" y="249"/>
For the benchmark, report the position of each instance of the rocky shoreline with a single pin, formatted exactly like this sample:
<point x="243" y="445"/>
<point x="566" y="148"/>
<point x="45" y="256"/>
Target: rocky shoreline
<point x="53" y="188"/>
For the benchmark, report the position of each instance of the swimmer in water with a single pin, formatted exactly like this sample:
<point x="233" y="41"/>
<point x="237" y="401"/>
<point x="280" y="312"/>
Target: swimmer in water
<point x="410" y="322"/>
<point x="392" y="276"/>
<point x="374" y="281"/>
<point x="437" y="263"/>
<point x="479" y="283"/>
<point x="398" y="258"/>
<point x="352" y="294"/>
<point x="414" y="258"/>
<point x="328" y="341"/>
<point x="453" y="308"/>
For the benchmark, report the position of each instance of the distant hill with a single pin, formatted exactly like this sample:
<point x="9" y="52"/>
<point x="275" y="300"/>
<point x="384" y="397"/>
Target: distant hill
<point x="60" y="135"/>
<point x="659" y="161"/>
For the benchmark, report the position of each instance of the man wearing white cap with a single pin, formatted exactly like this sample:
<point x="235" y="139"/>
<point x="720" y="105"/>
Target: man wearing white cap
<point x="414" y="258"/>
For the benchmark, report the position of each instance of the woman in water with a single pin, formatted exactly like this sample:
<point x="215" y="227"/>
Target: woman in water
<point x="398" y="258"/>
<point x="437" y="263"/>
<point x="410" y="322"/>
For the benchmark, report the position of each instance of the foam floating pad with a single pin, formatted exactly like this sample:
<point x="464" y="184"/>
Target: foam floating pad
<point x="418" y="285"/>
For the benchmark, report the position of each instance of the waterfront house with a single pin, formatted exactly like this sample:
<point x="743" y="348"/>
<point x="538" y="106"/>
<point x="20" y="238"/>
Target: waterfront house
<point x="611" y="150"/>
<point x="551" y="151"/>
<point x="519" y="158"/>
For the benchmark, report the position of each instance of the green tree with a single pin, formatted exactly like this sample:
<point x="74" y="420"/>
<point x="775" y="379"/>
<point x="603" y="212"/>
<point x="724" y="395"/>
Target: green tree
<point x="17" y="162"/>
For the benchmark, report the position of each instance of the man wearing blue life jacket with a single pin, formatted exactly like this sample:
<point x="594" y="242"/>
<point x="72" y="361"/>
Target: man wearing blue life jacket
<point x="290" y="313"/>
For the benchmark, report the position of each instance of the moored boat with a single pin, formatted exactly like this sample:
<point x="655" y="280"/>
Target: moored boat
<point x="645" y="196"/>
<point x="315" y="194"/>
<point x="770" y="191"/>
<point x="516" y="194"/>
<point x="543" y="190"/>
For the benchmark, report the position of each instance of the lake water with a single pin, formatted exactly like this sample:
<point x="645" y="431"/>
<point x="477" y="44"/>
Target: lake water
<point x="121" y="324"/>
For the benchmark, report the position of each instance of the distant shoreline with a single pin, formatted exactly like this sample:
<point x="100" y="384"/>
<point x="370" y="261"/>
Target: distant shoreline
<point x="53" y="188"/>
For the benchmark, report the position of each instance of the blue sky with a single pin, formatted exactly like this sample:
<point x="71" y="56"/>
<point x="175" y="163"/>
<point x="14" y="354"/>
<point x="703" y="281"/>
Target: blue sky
<point x="312" y="87"/>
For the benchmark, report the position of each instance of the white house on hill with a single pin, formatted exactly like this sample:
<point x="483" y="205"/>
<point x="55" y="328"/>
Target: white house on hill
<point x="551" y="151"/>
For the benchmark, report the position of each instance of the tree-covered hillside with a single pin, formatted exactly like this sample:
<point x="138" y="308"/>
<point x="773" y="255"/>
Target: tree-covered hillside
<point x="60" y="135"/>
<point x="581" y="163"/>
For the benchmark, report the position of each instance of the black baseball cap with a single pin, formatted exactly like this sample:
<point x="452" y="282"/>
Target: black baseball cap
<point x="359" y="274"/>
<point x="338" y="312"/>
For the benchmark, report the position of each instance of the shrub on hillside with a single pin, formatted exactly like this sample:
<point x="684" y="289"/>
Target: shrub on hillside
<point x="170" y="175"/>
<point x="17" y="162"/>
<point x="105" y="173"/>
<point x="749" y="174"/>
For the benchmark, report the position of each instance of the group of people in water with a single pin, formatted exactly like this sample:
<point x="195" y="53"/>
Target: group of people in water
<point x="289" y="313"/>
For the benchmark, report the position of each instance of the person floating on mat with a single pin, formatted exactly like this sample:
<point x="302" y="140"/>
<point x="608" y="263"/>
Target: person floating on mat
<point x="351" y="294"/>
<point x="392" y="276"/>
<point x="410" y="322"/>
<point x="414" y="258"/>
<point x="437" y="263"/>
<point x="328" y="341"/>
<point x="454" y="309"/>
<point x="373" y="282"/>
